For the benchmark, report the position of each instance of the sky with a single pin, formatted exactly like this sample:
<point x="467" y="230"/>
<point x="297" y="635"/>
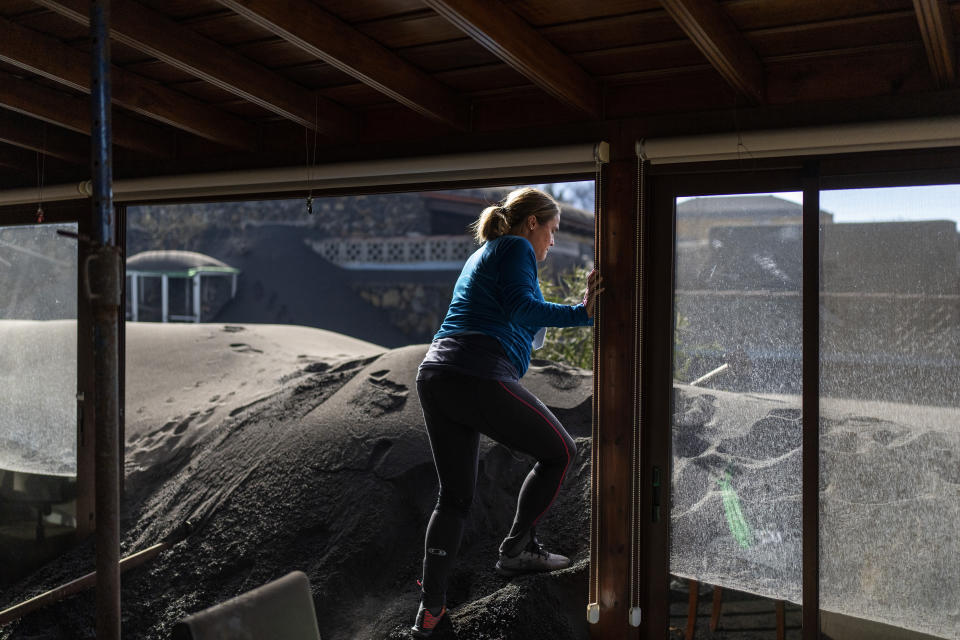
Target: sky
<point x="938" y="202"/>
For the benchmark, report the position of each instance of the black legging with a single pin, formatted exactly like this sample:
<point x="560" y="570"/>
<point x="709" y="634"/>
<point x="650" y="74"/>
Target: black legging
<point x="457" y="409"/>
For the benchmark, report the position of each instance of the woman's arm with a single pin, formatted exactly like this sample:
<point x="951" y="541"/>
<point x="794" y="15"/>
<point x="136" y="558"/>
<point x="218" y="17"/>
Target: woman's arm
<point x="523" y="305"/>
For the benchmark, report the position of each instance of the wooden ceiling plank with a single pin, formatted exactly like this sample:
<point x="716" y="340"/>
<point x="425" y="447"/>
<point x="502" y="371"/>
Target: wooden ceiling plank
<point x="227" y="29"/>
<point x="849" y="74"/>
<point x="765" y="14"/>
<point x="540" y="13"/>
<point x="600" y="34"/>
<point x="477" y="80"/>
<point x="34" y="135"/>
<point x="510" y="38"/>
<point x="138" y="26"/>
<point x="659" y="56"/>
<point x="444" y="56"/>
<point x="936" y="27"/>
<point x="19" y="159"/>
<point x="352" y="12"/>
<point x="410" y="30"/>
<point x="326" y="37"/>
<point x="73" y="113"/>
<point x="705" y="22"/>
<point x="278" y="55"/>
<point x="620" y="31"/>
<point x="859" y="31"/>
<point x="52" y="59"/>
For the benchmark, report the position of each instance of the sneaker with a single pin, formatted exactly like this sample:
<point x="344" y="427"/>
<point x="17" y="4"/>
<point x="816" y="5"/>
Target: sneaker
<point x="531" y="559"/>
<point x="426" y="622"/>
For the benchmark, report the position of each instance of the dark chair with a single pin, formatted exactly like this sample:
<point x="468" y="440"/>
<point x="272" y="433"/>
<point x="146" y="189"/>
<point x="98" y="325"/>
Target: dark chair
<point x="279" y="610"/>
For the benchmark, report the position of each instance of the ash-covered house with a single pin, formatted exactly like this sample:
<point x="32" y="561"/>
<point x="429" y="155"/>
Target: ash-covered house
<point x="409" y="272"/>
<point x="390" y="261"/>
<point x="436" y="236"/>
<point x="739" y="261"/>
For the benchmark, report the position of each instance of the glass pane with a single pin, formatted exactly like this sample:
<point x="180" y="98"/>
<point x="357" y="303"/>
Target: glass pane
<point x="736" y="478"/>
<point x="890" y="410"/>
<point x="38" y="381"/>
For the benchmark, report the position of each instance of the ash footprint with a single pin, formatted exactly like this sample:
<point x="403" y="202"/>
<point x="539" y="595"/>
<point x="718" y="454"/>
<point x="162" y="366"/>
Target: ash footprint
<point x="205" y="416"/>
<point x="382" y="395"/>
<point x="171" y="431"/>
<point x="242" y="347"/>
<point x="184" y="424"/>
<point x="379" y="453"/>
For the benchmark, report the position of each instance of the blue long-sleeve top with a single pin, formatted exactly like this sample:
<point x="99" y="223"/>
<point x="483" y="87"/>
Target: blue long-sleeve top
<point x="498" y="294"/>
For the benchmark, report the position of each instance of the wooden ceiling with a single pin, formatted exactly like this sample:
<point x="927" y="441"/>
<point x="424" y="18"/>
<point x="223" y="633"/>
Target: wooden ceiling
<point x="210" y="85"/>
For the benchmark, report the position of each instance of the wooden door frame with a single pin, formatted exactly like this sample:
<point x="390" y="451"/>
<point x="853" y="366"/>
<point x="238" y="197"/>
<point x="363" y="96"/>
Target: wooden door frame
<point x="663" y="185"/>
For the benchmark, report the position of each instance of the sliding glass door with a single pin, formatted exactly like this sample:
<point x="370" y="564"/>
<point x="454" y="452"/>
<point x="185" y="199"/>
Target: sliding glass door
<point x="872" y="511"/>
<point x="735" y="550"/>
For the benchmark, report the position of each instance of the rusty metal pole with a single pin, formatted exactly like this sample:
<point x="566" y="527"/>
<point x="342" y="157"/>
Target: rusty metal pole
<point x="102" y="272"/>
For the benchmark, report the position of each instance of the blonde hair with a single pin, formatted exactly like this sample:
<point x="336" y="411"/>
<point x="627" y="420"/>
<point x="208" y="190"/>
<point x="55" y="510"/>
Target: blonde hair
<point x="499" y="219"/>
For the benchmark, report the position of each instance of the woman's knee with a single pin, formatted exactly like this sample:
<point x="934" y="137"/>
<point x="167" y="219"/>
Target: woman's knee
<point x="568" y="446"/>
<point x="455" y="505"/>
<point x="560" y="456"/>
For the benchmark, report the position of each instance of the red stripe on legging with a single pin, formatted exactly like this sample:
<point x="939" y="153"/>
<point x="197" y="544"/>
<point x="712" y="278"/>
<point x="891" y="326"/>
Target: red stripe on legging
<point x="562" y="440"/>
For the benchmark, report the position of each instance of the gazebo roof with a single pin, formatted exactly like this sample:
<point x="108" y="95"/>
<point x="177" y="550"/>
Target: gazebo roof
<point x="183" y="264"/>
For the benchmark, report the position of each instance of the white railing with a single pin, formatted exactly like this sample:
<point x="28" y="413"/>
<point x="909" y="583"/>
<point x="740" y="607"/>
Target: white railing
<point x="402" y="252"/>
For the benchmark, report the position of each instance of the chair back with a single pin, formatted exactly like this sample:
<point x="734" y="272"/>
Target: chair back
<point x="279" y="610"/>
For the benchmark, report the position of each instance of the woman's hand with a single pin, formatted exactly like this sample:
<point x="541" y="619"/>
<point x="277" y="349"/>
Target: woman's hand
<point x="594" y="289"/>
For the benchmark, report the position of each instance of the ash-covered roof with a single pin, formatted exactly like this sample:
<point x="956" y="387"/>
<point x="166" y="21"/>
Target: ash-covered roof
<point x="736" y="206"/>
<point x="470" y="202"/>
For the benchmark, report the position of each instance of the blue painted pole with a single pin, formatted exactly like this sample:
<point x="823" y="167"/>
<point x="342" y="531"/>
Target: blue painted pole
<point x="102" y="272"/>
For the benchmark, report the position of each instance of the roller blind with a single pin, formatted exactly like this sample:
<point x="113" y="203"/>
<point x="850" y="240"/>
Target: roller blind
<point x="440" y="169"/>
<point x="806" y="141"/>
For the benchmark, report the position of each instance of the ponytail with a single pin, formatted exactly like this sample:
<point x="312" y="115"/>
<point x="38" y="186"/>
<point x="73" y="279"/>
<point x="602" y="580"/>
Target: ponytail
<point x="500" y="219"/>
<point x="492" y="223"/>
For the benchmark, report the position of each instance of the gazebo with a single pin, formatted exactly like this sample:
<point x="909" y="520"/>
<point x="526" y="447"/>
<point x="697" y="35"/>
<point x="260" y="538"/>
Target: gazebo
<point x="186" y="266"/>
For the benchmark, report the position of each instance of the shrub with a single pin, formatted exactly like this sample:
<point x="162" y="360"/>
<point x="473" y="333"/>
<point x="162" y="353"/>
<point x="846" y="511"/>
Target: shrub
<point x="569" y="345"/>
<point x="574" y="345"/>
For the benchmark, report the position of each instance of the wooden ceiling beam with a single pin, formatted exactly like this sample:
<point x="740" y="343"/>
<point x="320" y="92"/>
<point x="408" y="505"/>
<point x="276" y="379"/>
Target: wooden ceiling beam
<point x="326" y="37"/>
<point x="34" y="135"/>
<point x="936" y="27"/>
<point x="72" y="113"/>
<point x="21" y="160"/>
<point x="715" y="34"/>
<point x="495" y="26"/>
<point x="61" y="63"/>
<point x="155" y="34"/>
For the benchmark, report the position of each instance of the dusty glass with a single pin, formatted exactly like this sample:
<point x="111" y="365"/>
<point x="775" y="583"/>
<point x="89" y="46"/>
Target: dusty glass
<point x="890" y="410"/>
<point x="38" y="381"/>
<point x="736" y="428"/>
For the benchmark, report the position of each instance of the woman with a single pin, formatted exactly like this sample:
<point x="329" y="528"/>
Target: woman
<point x="468" y="384"/>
